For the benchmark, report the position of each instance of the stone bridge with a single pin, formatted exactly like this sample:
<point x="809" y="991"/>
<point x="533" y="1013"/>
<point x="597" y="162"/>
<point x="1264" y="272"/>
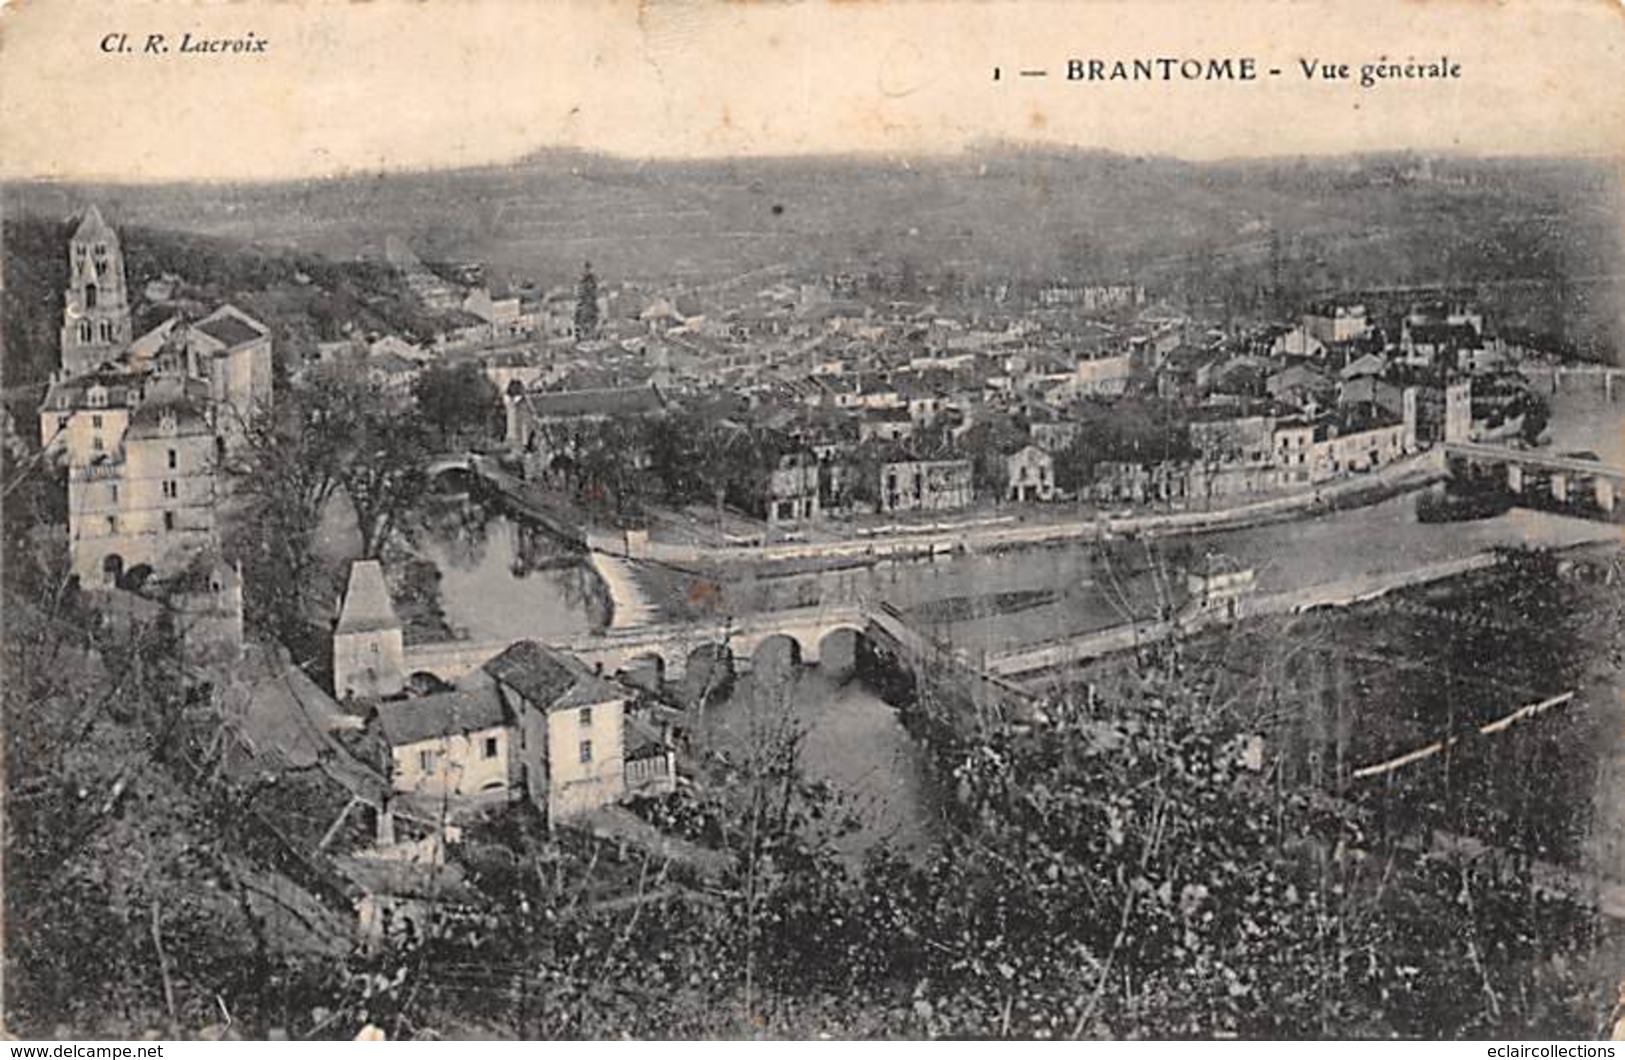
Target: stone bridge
<point x="807" y="631"/>
<point x="1577" y="376"/>
<point x="1569" y="479"/>
<point x="439" y="465"/>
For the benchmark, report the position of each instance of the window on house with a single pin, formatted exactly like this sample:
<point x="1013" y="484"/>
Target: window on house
<point x="62" y="422"/>
<point x="585" y="714"/>
<point x="172" y="460"/>
<point x="112" y="524"/>
<point x="170" y="490"/>
<point x="105" y="331"/>
<point x="90" y="296"/>
<point x="586" y="751"/>
<point x="84" y="331"/>
<point x="428" y="761"/>
<point x="96" y="443"/>
<point x="96" y="422"/>
<point x="490" y="748"/>
<point x="169" y="521"/>
<point x="113" y="490"/>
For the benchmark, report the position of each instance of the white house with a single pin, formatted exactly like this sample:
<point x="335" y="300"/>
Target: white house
<point x="1030" y="474"/>
<point x="453" y="744"/>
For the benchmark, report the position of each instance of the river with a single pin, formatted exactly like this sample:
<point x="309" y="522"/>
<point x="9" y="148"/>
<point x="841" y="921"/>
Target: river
<point x="499" y="581"/>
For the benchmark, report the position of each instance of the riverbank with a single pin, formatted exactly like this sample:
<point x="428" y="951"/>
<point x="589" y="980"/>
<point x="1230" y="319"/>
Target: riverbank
<point x="982" y="534"/>
<point x="1342" y="593"/>
<point x="1037" y="666"/>
<point x="686" y="583"/>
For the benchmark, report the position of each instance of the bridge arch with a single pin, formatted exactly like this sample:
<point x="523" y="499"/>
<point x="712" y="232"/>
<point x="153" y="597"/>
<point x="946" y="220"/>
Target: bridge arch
<point x="709" y="653"/>
<point x="707" y="674"/>
<point x="839" y="648"/>
<point x="453" y="477"/>
<point x="779" y="650"/>
<point x="450" y="462"/>
<point x="647" y="670"/>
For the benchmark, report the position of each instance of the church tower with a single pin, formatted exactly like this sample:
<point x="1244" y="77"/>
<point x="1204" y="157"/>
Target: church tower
<point x="96" y="315"/>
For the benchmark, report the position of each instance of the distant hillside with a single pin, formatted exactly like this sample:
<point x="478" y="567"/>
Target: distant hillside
<point x="1004" y="214"/>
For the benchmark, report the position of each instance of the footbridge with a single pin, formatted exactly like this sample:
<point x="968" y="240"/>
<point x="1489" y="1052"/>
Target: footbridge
<point x="523" y="498"/>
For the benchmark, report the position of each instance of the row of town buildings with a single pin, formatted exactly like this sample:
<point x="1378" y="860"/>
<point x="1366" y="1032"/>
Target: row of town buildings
<point x="894" y="406"/>
<point x="936" y="416"/>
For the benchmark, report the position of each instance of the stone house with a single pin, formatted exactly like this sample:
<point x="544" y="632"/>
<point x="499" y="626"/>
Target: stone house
<point x="793" y="489"/>
<point x="455" y="744"/>
<point x="571" y="726"/>
<point x="543" y="425"/>
<point x="925" y="485"/>
<point x="885" y="425"/>
<point x="1030" y="474"/>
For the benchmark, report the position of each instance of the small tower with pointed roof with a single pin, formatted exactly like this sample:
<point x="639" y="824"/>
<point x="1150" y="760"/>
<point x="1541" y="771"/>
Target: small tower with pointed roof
<point x="96" y="305"/>
<point x="369" y="655"/>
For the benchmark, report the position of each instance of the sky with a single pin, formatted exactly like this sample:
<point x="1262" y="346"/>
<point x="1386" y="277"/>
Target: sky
<point x="412" y="84"/>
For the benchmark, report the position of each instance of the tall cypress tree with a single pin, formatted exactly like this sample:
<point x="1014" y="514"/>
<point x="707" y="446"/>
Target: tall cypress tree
<point x="587" y="304"/>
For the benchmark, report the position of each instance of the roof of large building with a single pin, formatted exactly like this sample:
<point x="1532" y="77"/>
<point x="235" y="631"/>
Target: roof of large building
<point x="231" y="327"/>
<point x="367" y="606"/>
<point x="462" y="710"/>
<point x="150" y="420"/>
<point x="551" y="679"/>
<point x="123" y="389"/>
<point x="612" y="401"/>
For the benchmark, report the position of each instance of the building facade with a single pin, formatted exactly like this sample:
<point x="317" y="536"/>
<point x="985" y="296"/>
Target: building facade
<point x="925" y="485"/>
<point x="150" y="502"/>
<point x="143" y="424"/>
<point x="1029" y="475"/>
<point x="793" y="490"/>
<point x="455" y="744"/>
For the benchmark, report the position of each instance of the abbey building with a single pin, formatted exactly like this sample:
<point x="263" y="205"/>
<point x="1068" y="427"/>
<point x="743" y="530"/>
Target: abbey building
<point x="146" y="424"/>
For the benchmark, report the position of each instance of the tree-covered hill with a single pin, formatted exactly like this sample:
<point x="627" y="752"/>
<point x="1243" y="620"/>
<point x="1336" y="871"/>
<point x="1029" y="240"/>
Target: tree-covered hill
<point x="304" y="297"/>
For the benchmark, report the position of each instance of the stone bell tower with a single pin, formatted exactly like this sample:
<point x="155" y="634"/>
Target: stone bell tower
<point x="96" y="310"/>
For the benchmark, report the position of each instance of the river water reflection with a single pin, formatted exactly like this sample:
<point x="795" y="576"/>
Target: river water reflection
<point x="503" y="580"/>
